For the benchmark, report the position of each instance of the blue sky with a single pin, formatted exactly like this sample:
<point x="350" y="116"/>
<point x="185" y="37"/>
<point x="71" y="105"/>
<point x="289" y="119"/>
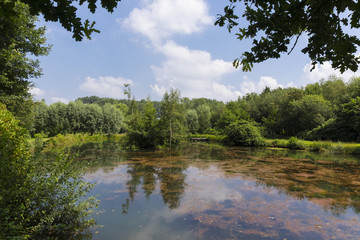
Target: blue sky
<point x="157" y="44"/>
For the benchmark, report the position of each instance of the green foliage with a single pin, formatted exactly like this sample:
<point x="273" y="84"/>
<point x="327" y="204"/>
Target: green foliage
<point x="77" y="117"/>
<point x="19" y="38"/>
<point x="276" y="27"/>
<point x="307" y="113"/>
<point x="192" y="121"/>
<point x="353" y="88"/>
<point x="333" y="89"/>
<point x="210" y="137"/>
<point x="112" y="119"/>
<point x="335" y="129"/>
<point x="172" y="119"/>
<point x="204" y="117"/>
<point x="345" y="127"/>
<point x="350" y="112"/>
<point x="142" y="130"/>
<point x="66" y="13"/>
<point x="38" y="200"/>
<point x="277" y="113"/>
<point x="21" y="42"/>
<point x="243" y="133"/>
<point x="294" y="143"/>
<point x="225" y="120"/>
<point x="22" y="108"/>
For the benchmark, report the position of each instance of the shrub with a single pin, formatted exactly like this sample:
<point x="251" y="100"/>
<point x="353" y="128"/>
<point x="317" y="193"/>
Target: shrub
<point x="295" y="143"/>
<point x="243" y="133"/>
<point x="38" y="200"/>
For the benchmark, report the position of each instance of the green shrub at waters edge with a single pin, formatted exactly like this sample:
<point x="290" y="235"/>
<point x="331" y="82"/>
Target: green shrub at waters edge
<point x="243" y="133"/>
<point x="39" y="200"/>
<point x="295" y="143"/>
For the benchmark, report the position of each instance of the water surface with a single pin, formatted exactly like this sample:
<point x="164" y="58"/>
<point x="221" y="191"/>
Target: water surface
<point x="212" y="192"/>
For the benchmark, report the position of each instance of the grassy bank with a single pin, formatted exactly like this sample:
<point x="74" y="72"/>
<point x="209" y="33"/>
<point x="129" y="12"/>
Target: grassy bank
<point x="315" y="146"/>
<point x="294" y="143"/>
<point x="68" y="140"/>
<point x="208" y="137"/>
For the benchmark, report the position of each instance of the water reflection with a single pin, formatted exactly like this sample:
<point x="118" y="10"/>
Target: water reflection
<point x="212" y="192"/>
<point x="169" y="176"/>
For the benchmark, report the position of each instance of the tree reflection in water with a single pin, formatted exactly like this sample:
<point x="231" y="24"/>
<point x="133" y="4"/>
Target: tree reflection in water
<point x="243" y="193"/>
<point x="146" y="171"/>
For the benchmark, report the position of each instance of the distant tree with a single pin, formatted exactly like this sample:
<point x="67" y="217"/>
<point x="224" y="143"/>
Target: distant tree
<point x="57" y="121"/>
<point x="313" y="89"/>
<point x="172" y="118"/>
<point x="112" y="119"/>
<point x="93" y="118"/>
<point x="333" y="89"/>
<point x="97" y="100"/>
<point x="276" y="26"/>
<point x="41" y="117"/>
<point x="350" y="113"/>
<point x="204" y="117"/>
<point x="144" y="132"/>
<point x="75" y="114"/>
<point x="123" y="108"/>
<point x="308" y="113"/>
<point x="227" y="118"/>
<point x="353" y="88"/>
<point x="192" y="120"/>
<point x="149" y="116"/>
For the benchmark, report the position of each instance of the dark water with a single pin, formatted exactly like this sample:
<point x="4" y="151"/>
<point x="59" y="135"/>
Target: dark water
<point x="213" y="192"/>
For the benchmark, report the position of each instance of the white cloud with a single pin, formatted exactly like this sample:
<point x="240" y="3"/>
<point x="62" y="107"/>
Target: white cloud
<point x="37" y="92"/>
<point x="324" y="71"/>
<point x="118" y="175"/>
<point x="59" y="99"/>
<point x="249" y="86"/>
<point x="105" y="86"/>
<point x="159" y="90"/>
<point x="160" y="19"/>
<point x="194" y="72"/>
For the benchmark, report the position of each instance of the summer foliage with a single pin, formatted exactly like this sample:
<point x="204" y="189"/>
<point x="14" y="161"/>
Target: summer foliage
<point x="38" y="200"/>
<point x="276" y="26"/>
<point x="327" y="110"/>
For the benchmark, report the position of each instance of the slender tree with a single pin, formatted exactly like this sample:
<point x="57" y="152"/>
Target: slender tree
<point x="171" y="118"/>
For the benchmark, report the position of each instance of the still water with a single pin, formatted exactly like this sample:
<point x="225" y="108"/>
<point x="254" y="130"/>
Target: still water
<point x="206" y="191"/>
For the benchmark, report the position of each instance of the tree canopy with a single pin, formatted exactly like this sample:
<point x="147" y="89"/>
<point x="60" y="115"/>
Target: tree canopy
<point x="66" y="13"/>
<point x="275" y="27"/>
<point x="19" y="38"/>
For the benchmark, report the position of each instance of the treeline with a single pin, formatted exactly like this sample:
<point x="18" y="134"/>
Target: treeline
<point x="326" y="110"/>
<point x="77" y="117"/>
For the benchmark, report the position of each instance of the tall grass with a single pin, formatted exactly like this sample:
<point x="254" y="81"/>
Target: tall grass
<point x="315" y="146"/>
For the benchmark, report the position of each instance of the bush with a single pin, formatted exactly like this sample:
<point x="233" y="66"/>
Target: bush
<point x="243" y="133"/>
<point x="295" y="143"/>
<point x="38" y="200"/>
<point x="335" y="129"/>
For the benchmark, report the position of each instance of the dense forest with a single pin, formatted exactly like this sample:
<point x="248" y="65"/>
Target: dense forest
<point x="326" y="110"/>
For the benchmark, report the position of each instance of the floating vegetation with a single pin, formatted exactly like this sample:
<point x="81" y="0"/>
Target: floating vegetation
<point x="205" y="191"/>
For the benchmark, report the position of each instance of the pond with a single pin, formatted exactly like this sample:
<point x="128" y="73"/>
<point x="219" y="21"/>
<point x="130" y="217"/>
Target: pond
<point x="204" y="191"/>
